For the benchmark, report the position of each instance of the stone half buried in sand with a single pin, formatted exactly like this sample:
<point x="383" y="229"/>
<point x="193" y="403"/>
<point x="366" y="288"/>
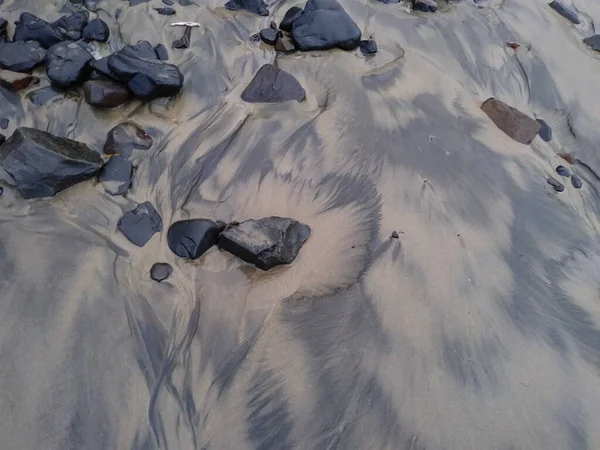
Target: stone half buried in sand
<point x="593" y="42"/>
<point x="192" y="238"/>
<point x="273" y="85"/>
<point x="566" y="12"/>
<point x="265" y="243"/>
<point x="126" y="137"/>
<point x="140" y="224"/>
<point x="324" y="24"/>
<point x="513" y="122"/>
<point x="43" y="165"/>
<point x="116" y="175"/>
<point x="254" y="6"/>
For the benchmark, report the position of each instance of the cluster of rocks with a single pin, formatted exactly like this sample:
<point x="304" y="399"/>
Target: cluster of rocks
<point x="565" y="173"/>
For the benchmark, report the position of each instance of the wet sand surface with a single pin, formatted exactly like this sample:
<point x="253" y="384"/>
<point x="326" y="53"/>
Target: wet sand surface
<point x="479" y="328"/>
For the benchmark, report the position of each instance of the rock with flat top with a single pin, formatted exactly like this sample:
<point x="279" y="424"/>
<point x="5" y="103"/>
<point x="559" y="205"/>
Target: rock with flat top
<point x="272" y="85"/>
<point x="593" y="42"/>
<point x="140" y="224"/>
<point x="254" y="6"/>
<point x="116" y="175"/>
<point x="105" y="93"/>
<point x="32" y="28"/>
<point x="513" y="122"/>
<point x="21" y="56"/>
<point x="192" y="238"/>
<point x="68" y="64"/>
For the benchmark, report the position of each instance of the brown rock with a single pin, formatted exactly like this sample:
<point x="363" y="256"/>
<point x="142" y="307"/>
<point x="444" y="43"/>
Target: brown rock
<point x="105" y="93"/>
<point x="16" y="81"/>
<point x="513" y="45"/>
<point x="568" y="157"/>
<point x="284" y="44"/>
<point x="513" y="122"/>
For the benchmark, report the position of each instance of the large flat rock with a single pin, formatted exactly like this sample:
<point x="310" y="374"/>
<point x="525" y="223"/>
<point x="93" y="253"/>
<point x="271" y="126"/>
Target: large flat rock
<point x="513" y="122"/>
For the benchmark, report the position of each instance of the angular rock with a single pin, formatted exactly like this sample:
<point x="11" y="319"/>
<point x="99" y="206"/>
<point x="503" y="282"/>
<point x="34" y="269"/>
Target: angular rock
<point x="2" y="139"/>
<point x="4" y="123"/>
<point x="15" y="81"/>
<point x="192" y="238"/>
<point x="21" y="56"/>
<point x="265" y="243"/>
<point x="161" y="52"/>
<point x="165" y="11"/>
<point x="143" y="49"/>
<point x="100" y="66"/>
<point x="563" y="171"/>
<point x="186" y="3"/>
<point x="564" y="11"/>
<point x="545" y="130"/>
<point x="184" y="41"/>
<point x="105" y="93"/>
<point x="140" y="224"/>
<point x="116" y="175"/>
<point x="576" y="181"/>
<point x="593" y="42"/>
<point x="269" y="35"/>
<point x="96" y="30"/>
<point x="68" y="64"/>
<point x="73" y="24"/>
<point x="568" y="157"/>
<point x="43" y="165"/>
<point x="290" y="17"/>
<point x="161" y="271"/>
<point x="425" y="5"/>
<point x="368" y="47"/>
<point x="32" y="28"/>
<point x="125" y="138"/>
<point x="272" y="85"/>
<point x="3" y="29"/>
<point x="324" y="25"/>
<point x="284" y="44"/>
<point x="254" y="6"/>
<point x="513" y="122"/>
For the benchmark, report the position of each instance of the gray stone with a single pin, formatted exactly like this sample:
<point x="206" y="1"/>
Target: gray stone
<point x="545" y="130"/>
<point x="116" y="175"/>
<point x="125" y="138"/>
<point x="21" y="56"/>
<point x="272" y="85"/>
<point x="576" y="181"/>
<point x="192" y="238"/>
<point x="32" y="28"/>
<point x="96" y="30"/>
<point x="514" y="123"/>
<point x="556" y="185"/>
<point x="140" y="224"/>
<point x="425" y="5"/>
<point x="68" y="64"/>
<point x="161" y="271"/>
<point x="564" y="11"/>
<point x="593" y="42"/>
<point x="254" y="6"/>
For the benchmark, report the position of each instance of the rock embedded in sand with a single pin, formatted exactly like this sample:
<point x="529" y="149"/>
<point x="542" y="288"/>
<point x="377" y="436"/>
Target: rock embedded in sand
<point x="4" y="123"/>
<point x="425" y="5"/>
<point x="165" y="11"/>
<point x="568" y="157"/>
<point x="192" y="238"/>
<point x="42" y="165"/>
<point x="140" y="224"/>
<point x="556" y="185"/>
<point x="68" y="64"/>
<point x="273" y="85"/>
<point x="73" y="24"/>
<point x="576" y="181"/>
<point x="168" y="2"/>
<point x="284" y="44"/>
<point x="125" y="138"/>
<point x="545" y="130"/>
<point x="566" y="12"/>
<point x="137" y="2"/>
<point x="16" y="81"/>
<point x="291" y="15"/>
<point x="105" y="93"/>
<point x="254" y="6"/>
<point x="265" y="243"/>
<point x="3" y="29"/>
<point x="32" y="28"/>
<point x="161" y="52"/>
<point x="593" y="42"/>
<point x="563" y="171"/>
<point x="116" y="175"/>
<point x="323" y="25"/>
<point x="185" y="40"/>
<point x="368" y="47"/>
<point x="2" y="140"/>
<point x="513" y="122"/>
<point x="21" y="56"/>
<point x="96" y="30"/>
<point x="161" y="271"/>
<point x="269" y="35"/>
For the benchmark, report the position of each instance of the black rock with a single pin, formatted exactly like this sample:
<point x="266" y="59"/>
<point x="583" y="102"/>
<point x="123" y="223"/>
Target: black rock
<point x="545" y="131"/>
<point x="324" y="25"/>
<point x="105" y="93"/>
<point x="564" y="11"/>
<point x="43" y="165"/>
<point x="254" y="6"/>
<point x="3" y="29"/>
<point x="146" y="78"/>
<point x="192" y="238"/>
<point x="184" y="41"/>
<point x="161" y="271"/>
<point x="557" y="185"/>
<point x="73" y="24"/>
<point x="4" y="123"/>
<point x="395" y="235"/>
<point x="576" y="181"/>
<point x="290" y="17"/>
<point x="425" y="5"/>
<point x="143" y="49"/>
<point x="165" y="11"/>
<point x="125" y="138"/>
<point x="269" y="35"/>
<point x="389" y="2"/>
<point x="272" y="85"/>
<point x="2" y="139"/>
<point x="593" y="42"/>
<point x="96" y="30"/>
<point x="32" y="28"/>
<point x="186" y="2"/>
<point x="368" y="47"/>
<point x="140" y="224"/>
<point x="21" y="56"/>
<point x="137" y="2"/>
<point x="168" y="2"/>
<point x="563" y="171"/>
<point x="116" y="175"/>
<point x="265" y="243"/>
<point x="161" y="52"/>
<point x="68" y="64"/>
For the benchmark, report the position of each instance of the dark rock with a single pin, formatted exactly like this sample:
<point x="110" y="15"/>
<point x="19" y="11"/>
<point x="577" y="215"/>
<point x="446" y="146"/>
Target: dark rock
<point x="284" y="44"/>
<point x="165" y="11"/>
<point x="32" y="28"/>
<point x="137" y="2"/>
<point x="272" y="85"/>
<point x="3" y="29"/>
<point x="105" y="93"/>
<point x="389" y="2"/>
<point x="140" y="224"/>
<point x="425" y="5"/>
<point x="290" y="17"/>
<point x="2" y="139"/>
<point x="563" y="171"/>
<point x="42" y="165"/>
<point x="101" y="67"/>
<point x="512" y="44"/>
<point x="254" y="6"/>
<point x="42" y="96"/>
<point x="96" y="30"/>
<point x="73" y="24"/>
<point x="161" y="271"/>
<point x="68" y="64"/>
<point x="21" y="56"/>
<point x="265" y="243"/>
<point x="269" y="35"/>
<point x="125" y="138"/>
<point x="395" y="235"/>
<point x="576" y="181"/>
<point x="184" y="41"/>
<point x="4" y="123"/>
<point x="118" y="13"/>
<point x="557" y="185"/>
<point x="564" y="11"/>
<point x="146" y="78"/>
<point x="545" y="130"/>
<point x="116" y="175"/>
<point x="168" y="2"/>
<point x="593" y="42"/>
<point x="15" y="81"/>
<point x="161" y="52"/>
<point x="192" y="238"/>
<point x="324" y="25"/>
<point x="513" y="122"/>
<point x="186" y="3"/>
<point x="368" y="47"/>
<point x="143" y="49"/>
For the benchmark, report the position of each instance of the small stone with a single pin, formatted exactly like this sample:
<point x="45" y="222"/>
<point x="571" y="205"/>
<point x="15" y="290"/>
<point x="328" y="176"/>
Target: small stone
<point x="125" y="138"/>
<point x="273" y="85"/>
<point x="557" y="185"/>
<point x="395" y="235"/>
<point x="186" y="3"/>
<point x="21" y="56"/>
<point x="137" y="2"/>
<point x="3" y="29"/>
<point x="425" y="5"/>
<point x="168" y="2"/>
<point x="116" y="175"/>
<point x="254" y="6"/>
<point x="269" y="35"/>
<point x="68" y="64"/>
<point x="192" y="238"/>
<point x="118" y="13"/>
<point x="514" y="123"/>
<point x="284" y="44"/>
<point x="184" y="41"/>
<point x="568" y="157"/>
<point x="290" y="17"/>
<point x="161" y="271"/>
<point x="265" y="243"/>
<point x="576" y="181"/>
<point x="593" y="42"/>
<point x="513" y="45"/>
<point x="73" y="24"/>
<point x="563" y="171"/>
<point x="165" y="11"/>
<point x="368" y="47"/>
<point x="140" y="224"/>
<point x="564" y="11"/>
<point x="161" y="52"/>
<point x="545" y="130"/>
<point x="105" y="93"/>
<point x="32" y="28"/>
<point x="15" y="81"/>
<point x="4" y="123"/>
<point x="96" y="30"/>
